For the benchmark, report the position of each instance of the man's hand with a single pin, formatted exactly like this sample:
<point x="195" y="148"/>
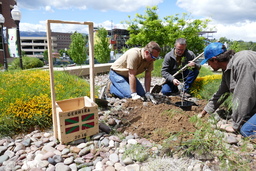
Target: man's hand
<point x="176" y="82"/>
<point x="150" y="97"/>
<point x="202" y="114"/>
<point x="191" y="64"/>
<point x="135" y="96"/>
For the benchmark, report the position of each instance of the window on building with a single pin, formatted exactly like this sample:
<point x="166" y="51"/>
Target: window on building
<point x="1" y="8"/>
<point x="1" y="29"/>
<point x="1" y="39"/>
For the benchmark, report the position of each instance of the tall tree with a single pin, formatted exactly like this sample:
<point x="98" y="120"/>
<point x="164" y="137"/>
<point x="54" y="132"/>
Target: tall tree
<point x="236" y="46"/>
<point x="77" y="48"/>
<point x="148" y="27"/>
<point x="101" y="47"/>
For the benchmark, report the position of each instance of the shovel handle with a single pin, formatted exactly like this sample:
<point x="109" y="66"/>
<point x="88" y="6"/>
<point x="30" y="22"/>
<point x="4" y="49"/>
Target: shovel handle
<point x="183" y="68"/>
<point x="164" y="81"/>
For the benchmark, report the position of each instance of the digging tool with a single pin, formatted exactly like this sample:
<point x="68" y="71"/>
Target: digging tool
<point x="101" y="102"/>
<point x="157" y="88"/>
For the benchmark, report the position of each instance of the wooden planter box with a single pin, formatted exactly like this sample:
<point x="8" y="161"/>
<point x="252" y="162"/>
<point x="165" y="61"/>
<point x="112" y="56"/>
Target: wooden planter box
<point x="76" y="118"/>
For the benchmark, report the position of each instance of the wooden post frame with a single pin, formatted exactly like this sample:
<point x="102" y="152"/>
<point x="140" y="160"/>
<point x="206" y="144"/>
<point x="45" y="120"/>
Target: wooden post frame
<point x="91" y="61"/>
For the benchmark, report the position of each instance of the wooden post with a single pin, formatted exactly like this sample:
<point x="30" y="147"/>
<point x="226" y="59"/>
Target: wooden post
<point x="91" y="52"/>
<point x="91" y="55"/>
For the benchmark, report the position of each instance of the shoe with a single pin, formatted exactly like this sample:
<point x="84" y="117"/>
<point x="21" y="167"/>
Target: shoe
<point x="102" y="93"/>
<point x="105" y="91"/>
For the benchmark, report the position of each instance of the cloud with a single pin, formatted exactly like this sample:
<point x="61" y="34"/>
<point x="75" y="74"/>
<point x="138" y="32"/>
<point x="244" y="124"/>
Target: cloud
<point x="49" y="9"/>
<point x="223" y="11"/>
<point x="68" y="27"/>
<point x="240" y="31"/>
<point x="102" y="5"/>
<point x="233" y="19"/>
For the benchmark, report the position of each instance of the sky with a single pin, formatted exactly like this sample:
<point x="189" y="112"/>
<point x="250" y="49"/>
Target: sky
<point x="233" y="19"/>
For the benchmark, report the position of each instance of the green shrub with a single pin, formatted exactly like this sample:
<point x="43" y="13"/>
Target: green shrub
<point x="204" y="87"/>
<point x="27" y="62"/>
<point x="157" y="68"/>
<point x="204" y="71"/>
<point x="136" y="152"/>
<point x="207" y="142"/>
<point x="25" y="98"/>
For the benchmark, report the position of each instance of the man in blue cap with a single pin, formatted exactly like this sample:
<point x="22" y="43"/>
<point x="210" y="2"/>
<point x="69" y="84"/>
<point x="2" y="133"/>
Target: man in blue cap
<point x="239" y="78"/>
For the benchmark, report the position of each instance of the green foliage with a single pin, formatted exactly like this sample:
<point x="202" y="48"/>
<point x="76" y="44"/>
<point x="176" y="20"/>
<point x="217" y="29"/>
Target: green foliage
<point x="235" y="46"/>
<point x="27" y="62"/>
<point x="62" y="51"/>
<point x="45" y="54"/>
<point x="203" y="139"/>
<point x="157" y="68"/>
<point x="25" y="98"/>
<point x="206" y="143"/>
<point x="204" y="71"/>
<point x="149" y="27"/>
<point x="238" y="45"/>
<point x="101" y="47"/>
<point x="204" y="87"/>
<point x="136" y="152"/>
<point x="77" y="48"/>
<point x="124" y="49"/>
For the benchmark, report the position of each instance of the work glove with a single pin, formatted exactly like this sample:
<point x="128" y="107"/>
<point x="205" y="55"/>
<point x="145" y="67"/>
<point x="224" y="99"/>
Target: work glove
<point x="150" y="97"/>
<point x="135" y="96"/>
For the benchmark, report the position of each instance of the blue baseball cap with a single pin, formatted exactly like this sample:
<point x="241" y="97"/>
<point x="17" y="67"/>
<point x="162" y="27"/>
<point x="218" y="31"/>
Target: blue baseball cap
<point x="213" y="49"/>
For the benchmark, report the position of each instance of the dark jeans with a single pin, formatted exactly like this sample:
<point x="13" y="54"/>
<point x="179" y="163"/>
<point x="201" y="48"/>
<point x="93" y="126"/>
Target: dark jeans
<point x="189" y="77"/>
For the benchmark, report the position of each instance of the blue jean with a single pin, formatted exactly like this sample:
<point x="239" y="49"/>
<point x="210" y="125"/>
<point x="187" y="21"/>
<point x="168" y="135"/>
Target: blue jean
<point x="189" y="77"/>
<point x="249" y="128"/>
<point x="120" y="86"/>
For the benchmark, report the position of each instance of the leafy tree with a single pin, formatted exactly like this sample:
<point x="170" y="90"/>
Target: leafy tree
<point x="77" y="50"/>
<point x="62" y="51"/>
<point x="45" y="54"/>
<point x="223" y="40"/>
<point x="101" y="47"/>
<point x="236" y="46"/>
<point x="253" y="47"/>
<point x="148" y="27"/>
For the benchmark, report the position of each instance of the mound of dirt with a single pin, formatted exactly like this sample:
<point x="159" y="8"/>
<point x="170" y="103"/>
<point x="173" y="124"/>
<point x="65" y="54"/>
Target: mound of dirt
<point x="158" y="122"/>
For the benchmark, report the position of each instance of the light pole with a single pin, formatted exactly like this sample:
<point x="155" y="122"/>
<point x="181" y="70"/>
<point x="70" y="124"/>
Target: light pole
<point x="2" y="20"/>
<point x="16" y="16"/>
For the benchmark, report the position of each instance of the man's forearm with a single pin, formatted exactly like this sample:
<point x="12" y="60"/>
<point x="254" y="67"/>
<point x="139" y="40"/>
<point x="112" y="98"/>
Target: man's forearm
<point x="132" y="82"/>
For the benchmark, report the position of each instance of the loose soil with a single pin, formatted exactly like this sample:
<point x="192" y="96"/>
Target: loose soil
<point x="158" y="122"/>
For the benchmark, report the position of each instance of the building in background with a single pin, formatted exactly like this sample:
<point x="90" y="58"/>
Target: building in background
<point x="5" y="9"/>
<point x="118" y="38"/>
<point x="33" y="44"/>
